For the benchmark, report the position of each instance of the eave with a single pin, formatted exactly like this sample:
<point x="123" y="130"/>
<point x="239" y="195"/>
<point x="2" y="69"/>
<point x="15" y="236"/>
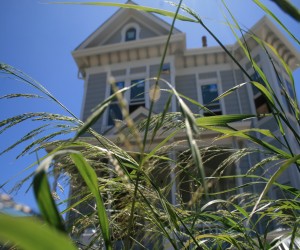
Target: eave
<point x="91" y="57"/>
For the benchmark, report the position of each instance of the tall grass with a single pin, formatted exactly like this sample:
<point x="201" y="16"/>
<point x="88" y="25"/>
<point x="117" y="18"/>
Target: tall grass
<point x="116" y="186"/>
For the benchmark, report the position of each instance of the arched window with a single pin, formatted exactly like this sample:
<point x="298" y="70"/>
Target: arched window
<point x="130" y="34"/>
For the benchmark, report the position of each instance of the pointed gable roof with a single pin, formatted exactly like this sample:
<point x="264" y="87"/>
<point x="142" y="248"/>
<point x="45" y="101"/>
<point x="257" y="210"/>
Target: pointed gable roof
<point x="154" y="25"/>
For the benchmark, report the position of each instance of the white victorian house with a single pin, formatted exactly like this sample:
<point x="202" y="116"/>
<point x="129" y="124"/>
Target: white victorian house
<point x="127" y="50"/>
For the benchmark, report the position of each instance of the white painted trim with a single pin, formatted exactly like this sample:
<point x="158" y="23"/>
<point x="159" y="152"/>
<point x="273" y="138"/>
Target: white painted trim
<point x="127" y="78"/>
<point x="161" y="40"/>
<point x="147" y="85"/>
<point x="203" y="69"/>
<point x="205" y="50"/>
<point x="114" y="29"/>
<point x="125" y="65"/>
<point x="173" y="82"/>
<point x="215" y="80"/>
<point x="118" y="14"/>
<point x="85" y="87"/>
<point x="129" y="26"/>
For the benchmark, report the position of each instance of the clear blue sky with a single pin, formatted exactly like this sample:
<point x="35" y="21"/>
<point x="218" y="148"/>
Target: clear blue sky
<point x="38" y="38"/>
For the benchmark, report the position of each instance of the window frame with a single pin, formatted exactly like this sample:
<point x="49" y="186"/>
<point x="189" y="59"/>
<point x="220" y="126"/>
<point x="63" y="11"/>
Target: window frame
<point x="209" y="81"/>
<point x="114" y="102"/>
<point x="258" y="95"/>
<point x="128" y="38"/>
<point x="127" y="79"/>
<point x="128" y="26"/>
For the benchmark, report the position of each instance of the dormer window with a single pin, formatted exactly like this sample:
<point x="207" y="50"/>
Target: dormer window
<point x="130" y="34"/>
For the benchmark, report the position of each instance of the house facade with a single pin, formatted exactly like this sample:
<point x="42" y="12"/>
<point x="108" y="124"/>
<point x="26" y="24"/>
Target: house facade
<point x="127" y="49"/>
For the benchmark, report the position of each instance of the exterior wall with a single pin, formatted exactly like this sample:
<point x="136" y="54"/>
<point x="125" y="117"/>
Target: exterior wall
<point x="186" y="85"/>
<point x="188" y="70"/>
<point x="95" y="93"/>
<point x="244" y="96"/>
<point x="159" y="105"/>
<point x="145" y="32"/>
<point x="232" y="102"/>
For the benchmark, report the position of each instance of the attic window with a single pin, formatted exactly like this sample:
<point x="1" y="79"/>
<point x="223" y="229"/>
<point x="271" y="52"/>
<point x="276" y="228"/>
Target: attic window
<point x="130" y="34"/>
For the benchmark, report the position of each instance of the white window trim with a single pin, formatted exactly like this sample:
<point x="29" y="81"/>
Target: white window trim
<point x="127" y="83"/>
<point x="128" y="77"/>
<point x="215" y="80"/>
<point x="129" y="26"/>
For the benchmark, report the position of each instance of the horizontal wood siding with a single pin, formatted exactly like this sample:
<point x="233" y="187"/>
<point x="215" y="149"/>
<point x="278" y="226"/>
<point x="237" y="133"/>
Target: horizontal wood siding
<point x="268" y="123"/>
<point x="243" y="92"/>
<point x="146" y="33"/>
<point x="117" y="36"/>
<point x="186" y="85"/>
<point x="249" y="64"/>
<point x="96" y="88"/>
<point x="164" y="96"/>
<point x="231" y="101"/>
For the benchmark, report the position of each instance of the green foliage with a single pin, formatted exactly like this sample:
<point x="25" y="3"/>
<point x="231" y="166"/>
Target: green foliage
<point x="31" y="234"/>
<point x="119" y="184"/>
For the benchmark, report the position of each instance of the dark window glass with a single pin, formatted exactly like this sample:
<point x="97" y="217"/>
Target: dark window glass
<point x="261" y="105"/>
<point x="130" y="34"/>
<point x="114" y="112"/>
<point x="119" y="86"/>
<point x="209" y="93"/>
<point x="166" y="69"/>
<point x="260" y="102"/>
<point x="137" y="92"/>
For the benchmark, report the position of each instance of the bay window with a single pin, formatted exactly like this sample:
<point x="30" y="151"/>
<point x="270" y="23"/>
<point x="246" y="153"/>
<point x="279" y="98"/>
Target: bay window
<point x="135" y="97"/>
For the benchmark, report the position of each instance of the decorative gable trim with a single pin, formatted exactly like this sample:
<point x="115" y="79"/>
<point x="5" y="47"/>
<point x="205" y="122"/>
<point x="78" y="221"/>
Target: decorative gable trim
<point x="134" y="25"/>
<point x="124" y="14"/>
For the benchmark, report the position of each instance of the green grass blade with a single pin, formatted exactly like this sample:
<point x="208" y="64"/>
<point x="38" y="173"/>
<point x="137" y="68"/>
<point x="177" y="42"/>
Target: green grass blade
<point x="29" y="234"/>
<point x="274" y="177"/>
<point x="44" y="197"/>
<point x="288" y="8"/>
<point x="220" y="120"/>
<point x="90" y="178"/>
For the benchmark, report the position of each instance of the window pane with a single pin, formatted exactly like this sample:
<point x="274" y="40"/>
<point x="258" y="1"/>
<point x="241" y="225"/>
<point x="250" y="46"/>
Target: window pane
<point x="261" y="105"/>
<point x="119" y="86"/>
<point x="133" y="107"/>
<point x="130" y="34"/>
<point x="114" y="112"/>
<point x="137" y="92"/>
<point x="209" y="92"/>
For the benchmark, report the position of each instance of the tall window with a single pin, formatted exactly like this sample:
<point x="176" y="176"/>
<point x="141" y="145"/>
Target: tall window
<point x="209" y="93"/>
<point x="261" y="104"/>
<point x="130" y="34"/>
<point x="136" y="99"/>
<point x="114" y="111"/>
<point x="137" y="94"/>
